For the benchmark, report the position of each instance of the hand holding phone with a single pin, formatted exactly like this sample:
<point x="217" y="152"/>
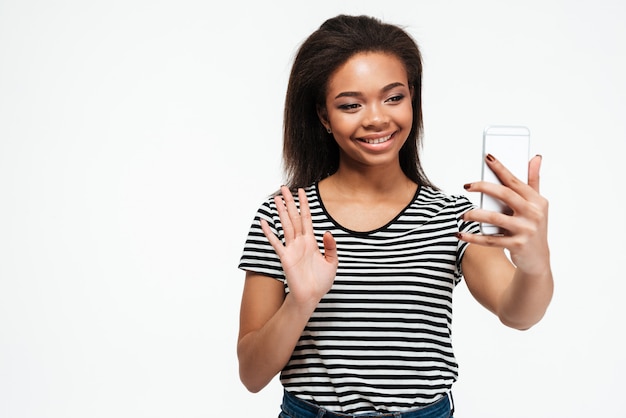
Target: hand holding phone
<point x="510" y="145"/>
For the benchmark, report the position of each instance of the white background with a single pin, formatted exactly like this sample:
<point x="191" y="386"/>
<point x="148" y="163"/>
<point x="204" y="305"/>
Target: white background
<point x="137" y="139"/>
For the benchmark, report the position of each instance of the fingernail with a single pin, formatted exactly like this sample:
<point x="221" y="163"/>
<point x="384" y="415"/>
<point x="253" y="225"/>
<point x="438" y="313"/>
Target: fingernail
<point x="467" y="186"/>
<point x="458" y="235"/>
<point x="490" y="158"/>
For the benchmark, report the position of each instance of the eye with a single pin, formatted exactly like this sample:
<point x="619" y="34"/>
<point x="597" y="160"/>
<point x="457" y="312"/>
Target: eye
<point x="349" y="106"/>
<point x="396" y="98"/>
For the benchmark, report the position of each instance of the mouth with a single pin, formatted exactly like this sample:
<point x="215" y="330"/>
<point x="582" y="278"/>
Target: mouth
<point x="376" y="140"/>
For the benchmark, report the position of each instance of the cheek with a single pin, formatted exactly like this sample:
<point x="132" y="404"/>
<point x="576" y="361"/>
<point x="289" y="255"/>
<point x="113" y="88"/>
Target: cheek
<point x="405" y="116"/>
<point x="343" y="122"/>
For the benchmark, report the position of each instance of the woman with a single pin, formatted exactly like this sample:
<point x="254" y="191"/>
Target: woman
<point x="350" y="267"/>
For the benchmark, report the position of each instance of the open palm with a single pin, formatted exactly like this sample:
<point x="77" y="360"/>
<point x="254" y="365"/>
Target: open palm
<point x="309" y="273"/>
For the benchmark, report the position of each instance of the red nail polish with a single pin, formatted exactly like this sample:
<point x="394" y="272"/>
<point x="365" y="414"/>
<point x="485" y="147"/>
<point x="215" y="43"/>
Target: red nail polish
<point x="467" y="186"/>
<point x="490" y="158"/>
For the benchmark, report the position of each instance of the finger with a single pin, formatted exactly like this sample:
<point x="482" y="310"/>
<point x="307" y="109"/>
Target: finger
<point x="507" y="222"/>
<point x="305" y="213"/>
<point x="330" y="248"/>
<point x="283" y="215"/>
<point x="511" y="198"/>
<point x="503" y="173"/>
<point x="292" y="210"/>
<point x="486" y="240"/>
<point x="272" y="238"/>
<point x="534" y="165"/>
<point x="508" y="179"/>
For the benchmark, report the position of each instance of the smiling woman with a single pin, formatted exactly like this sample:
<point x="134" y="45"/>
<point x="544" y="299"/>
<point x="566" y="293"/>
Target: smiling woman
<point x="138" y="138"/>
<point x="368" y="110"/>
<point x="350" y="268"/>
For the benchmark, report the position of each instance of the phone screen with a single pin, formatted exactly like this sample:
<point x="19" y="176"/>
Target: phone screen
<point x="511" y="146"/>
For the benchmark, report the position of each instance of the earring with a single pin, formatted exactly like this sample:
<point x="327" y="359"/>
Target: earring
<point x="329" y="130"/>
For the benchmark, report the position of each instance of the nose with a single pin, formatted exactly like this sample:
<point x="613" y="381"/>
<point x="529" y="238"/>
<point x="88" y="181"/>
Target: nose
<point x="375" y="117"/>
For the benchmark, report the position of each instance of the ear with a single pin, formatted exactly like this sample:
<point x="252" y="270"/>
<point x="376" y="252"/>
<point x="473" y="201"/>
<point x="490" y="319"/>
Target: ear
<point x="322" y="114"/>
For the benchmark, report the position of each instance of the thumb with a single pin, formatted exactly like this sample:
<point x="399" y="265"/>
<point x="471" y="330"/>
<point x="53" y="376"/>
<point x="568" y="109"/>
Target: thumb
<point x="330" y="248"/>
<point x="533" y="172"/>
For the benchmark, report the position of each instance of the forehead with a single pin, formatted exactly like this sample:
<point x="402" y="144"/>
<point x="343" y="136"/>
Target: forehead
<point x="371" y="69"/>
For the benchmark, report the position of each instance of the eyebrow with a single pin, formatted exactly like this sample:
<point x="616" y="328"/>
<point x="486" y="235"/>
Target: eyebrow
<point x="357" y="94"/>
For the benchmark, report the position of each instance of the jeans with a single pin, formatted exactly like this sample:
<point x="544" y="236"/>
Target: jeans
<point x="294" y="407"/>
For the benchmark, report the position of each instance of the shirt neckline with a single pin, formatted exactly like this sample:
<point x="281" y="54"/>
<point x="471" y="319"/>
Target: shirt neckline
<point x="373" y="231"/>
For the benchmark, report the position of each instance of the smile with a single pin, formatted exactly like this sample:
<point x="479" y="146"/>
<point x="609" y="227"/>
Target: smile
<point x="377" y="140"/>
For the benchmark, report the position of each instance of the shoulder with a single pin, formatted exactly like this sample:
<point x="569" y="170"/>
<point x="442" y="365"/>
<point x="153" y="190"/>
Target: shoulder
<point x="268" y="204"/>
<point x="439" y="199"/>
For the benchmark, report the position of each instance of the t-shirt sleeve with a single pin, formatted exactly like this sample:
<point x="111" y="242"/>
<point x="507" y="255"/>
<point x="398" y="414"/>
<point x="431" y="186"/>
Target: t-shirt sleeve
<point x="258" y="254"/>
<point x="467" y="227"/>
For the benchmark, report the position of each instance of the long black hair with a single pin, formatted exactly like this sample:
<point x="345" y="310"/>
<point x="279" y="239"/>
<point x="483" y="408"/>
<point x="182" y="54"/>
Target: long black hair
<point x="310" y="153"/>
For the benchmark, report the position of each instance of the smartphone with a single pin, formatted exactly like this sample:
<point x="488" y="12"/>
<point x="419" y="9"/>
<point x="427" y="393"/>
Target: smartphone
<point x="511" y="146"/>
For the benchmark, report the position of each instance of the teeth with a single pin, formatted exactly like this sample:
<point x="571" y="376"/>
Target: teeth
<point x="377" y="140"/>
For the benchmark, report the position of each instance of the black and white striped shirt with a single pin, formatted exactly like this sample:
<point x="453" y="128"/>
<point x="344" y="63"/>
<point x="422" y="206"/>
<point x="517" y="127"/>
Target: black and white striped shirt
<point x="380" y="340"/>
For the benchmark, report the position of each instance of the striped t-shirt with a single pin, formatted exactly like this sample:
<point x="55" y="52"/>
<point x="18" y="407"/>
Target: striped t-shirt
<point x="380" y="340"/>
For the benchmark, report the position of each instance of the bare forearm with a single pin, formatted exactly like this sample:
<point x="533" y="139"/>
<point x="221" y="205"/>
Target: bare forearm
<point x="526" y="299"/>
<point x="263" y="353"/>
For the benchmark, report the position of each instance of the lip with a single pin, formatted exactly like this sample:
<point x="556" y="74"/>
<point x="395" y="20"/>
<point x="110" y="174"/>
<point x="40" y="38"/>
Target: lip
<point x="376" y="139"/>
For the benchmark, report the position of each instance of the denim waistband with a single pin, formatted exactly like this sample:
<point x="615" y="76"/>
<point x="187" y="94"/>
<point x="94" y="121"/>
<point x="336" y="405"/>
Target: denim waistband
<point x="298" y="408"/>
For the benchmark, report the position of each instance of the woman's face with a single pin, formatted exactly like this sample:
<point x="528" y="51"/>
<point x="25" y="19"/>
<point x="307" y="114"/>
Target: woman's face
<point x="368" y="109"/>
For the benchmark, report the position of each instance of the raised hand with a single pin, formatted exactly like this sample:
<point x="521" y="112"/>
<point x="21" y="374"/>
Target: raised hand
<point x="309" y="273"/>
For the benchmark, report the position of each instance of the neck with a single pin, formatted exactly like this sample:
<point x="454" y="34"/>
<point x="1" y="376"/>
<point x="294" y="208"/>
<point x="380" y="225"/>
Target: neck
<point x="387" y="181"/>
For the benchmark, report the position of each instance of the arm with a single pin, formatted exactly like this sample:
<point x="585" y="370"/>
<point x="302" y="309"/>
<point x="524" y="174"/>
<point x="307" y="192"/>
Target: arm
<point x="270" y="325"/>
<point x="270" y="322"/>
<point x="518" y="299"/>
<point x="518" y="292"/>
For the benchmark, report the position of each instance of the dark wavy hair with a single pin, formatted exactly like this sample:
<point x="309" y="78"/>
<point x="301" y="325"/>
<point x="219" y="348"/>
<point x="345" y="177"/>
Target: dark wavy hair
<point x="309" y="152"/>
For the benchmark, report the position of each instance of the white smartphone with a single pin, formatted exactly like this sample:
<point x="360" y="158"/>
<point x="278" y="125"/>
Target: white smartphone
<point x="511" y="146"/>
